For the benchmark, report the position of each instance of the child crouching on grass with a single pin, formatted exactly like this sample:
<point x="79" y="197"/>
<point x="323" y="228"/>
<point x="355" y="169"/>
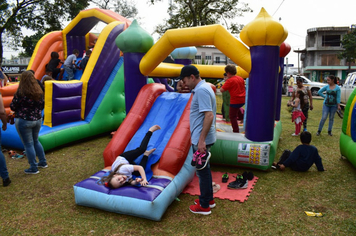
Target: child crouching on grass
<point x="124" y="166"/>
<point x="302" y="158"/>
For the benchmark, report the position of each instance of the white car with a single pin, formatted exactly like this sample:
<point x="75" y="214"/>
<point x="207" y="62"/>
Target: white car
<point x="348" y="87"/>
<point x="314" y="86"/>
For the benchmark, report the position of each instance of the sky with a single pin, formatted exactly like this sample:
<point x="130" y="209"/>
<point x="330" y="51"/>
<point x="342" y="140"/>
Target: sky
<point x="297" y="16"/>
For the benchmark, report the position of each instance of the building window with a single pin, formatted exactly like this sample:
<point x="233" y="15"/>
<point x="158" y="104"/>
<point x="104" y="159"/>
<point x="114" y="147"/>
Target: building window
<point x="331" y="41"/>
<point x="198" y="57"/>
<point x="330" y="60"/>
<point x="217" y="59"/>
<point x="208" y="57"/>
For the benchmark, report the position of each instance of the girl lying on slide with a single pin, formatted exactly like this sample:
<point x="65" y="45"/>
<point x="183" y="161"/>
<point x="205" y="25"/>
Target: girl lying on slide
<point x="124" y="166"/>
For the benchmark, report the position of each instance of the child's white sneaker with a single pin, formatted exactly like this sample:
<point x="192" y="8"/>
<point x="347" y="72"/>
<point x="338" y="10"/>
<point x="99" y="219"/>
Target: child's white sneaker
<point x="294" y="134"/>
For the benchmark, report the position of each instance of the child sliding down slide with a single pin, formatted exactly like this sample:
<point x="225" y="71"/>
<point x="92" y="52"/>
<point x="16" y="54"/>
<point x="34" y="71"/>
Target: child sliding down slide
<point x="124" y="166"/>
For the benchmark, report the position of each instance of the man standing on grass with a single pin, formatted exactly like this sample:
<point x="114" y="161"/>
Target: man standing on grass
<point x="202" y="128"/>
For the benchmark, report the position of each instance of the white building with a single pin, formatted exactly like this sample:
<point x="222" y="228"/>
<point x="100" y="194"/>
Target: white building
<point x="210" y="55"/>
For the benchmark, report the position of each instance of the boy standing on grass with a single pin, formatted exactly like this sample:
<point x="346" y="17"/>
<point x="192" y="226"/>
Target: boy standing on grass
<point x="69" y="64"/>
<point x="303" y="156"/>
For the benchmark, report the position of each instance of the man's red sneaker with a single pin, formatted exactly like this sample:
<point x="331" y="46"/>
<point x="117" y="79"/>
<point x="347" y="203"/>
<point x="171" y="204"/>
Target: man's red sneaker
<point x="197" y="209"/>
<point x="211" y="203"/>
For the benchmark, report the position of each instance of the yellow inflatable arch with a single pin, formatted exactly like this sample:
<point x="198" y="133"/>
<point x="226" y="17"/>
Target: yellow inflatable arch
<point x="205" y="35"/>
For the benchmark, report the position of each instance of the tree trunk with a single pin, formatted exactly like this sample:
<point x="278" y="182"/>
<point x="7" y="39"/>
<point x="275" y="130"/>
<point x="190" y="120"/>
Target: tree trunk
<point x="1" y="48"/>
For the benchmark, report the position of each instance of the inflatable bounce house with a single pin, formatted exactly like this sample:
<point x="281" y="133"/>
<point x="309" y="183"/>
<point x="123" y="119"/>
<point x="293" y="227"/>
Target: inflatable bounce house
<point x="89" y="105"/>
<point x="169" y="169"/>
<point x="348" y="134"/>
<point x="113" y="90"/>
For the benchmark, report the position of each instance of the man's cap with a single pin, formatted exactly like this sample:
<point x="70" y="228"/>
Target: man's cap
<point x="188" y="70"/>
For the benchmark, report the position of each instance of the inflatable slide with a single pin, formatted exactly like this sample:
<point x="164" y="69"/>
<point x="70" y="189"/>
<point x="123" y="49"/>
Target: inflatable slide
<point x="168" y="169"/>
<point x="170" y="165"/>
<point x="260" y="61"/>
<point x="86" y="107"/>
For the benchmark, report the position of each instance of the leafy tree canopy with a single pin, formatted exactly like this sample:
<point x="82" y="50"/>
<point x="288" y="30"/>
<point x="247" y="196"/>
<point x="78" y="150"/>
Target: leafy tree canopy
<point x="349" y="45"/>
<point x="44" y="16"/>
<point x="41" y="16"/>
<point x="189" y="13"/>
<point x="29" y="43"/>
<point x="125" y="8"/>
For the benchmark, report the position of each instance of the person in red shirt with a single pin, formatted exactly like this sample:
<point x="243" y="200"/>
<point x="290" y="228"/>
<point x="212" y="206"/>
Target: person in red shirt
<point x="236" y="87"/>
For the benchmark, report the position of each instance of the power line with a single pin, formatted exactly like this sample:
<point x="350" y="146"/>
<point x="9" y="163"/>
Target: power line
<point x="289" y="32"/>
<point x="278" y="7"/>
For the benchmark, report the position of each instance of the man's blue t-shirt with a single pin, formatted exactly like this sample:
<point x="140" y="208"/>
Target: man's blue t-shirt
<point x="203" y="100"/>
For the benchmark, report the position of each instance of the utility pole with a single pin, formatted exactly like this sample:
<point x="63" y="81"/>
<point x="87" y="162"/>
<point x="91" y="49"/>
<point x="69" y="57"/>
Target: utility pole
<point x="298" y="62"/>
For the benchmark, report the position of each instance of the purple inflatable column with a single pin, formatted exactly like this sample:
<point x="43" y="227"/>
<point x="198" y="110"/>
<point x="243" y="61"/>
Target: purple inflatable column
<point x="279" y="89"/>
<point x="262" y="88"/>
<point x="134" y="42"/>
<point x="183" y="61"/>
<point x="284" y="49"/>
<point x="263" y="36"/>
<point x="134" y="80"/>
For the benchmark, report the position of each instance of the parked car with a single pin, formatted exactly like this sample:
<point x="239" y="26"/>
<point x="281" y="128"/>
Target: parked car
<point x="348" y="87"/>
<point x="314" y="86"/>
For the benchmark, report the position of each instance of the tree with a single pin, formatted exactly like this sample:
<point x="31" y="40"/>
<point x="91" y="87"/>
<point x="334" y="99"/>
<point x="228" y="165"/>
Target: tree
<point x="29" y="43"/>
<point x="37" y="15"/>
<point x="189" y="13"/>
<point x="125" y="8"/>
<point x="349" y="44"/>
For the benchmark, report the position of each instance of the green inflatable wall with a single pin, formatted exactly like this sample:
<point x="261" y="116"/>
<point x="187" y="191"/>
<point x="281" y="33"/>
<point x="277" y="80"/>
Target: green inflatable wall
<point x="347" y="145"/>
<point x="243" y="152"/>
<point x="108" y="117"/>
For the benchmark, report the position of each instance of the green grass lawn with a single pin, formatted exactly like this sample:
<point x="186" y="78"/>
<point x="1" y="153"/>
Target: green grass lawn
<point x="44" y="204"/>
